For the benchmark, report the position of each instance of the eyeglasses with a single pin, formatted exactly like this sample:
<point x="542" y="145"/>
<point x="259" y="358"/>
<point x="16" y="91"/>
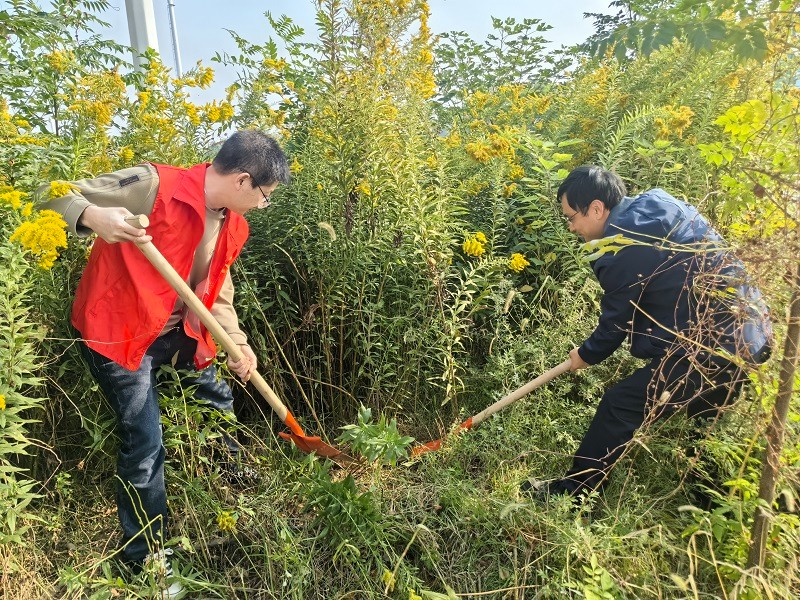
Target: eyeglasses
<point x="571" y="217"/>
<point x="264" y="197"/>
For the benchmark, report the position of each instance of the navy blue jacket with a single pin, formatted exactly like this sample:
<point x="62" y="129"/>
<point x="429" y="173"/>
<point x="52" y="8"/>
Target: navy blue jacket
<point x="675" y="288"/>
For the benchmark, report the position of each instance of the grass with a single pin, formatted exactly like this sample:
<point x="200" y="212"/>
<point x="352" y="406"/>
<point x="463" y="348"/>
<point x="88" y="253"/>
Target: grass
<point x="452" y="520"/>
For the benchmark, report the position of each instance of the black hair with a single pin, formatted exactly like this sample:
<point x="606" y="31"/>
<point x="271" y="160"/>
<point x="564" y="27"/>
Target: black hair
<point x="253" y="152"/>
<point x="588" y="183"/>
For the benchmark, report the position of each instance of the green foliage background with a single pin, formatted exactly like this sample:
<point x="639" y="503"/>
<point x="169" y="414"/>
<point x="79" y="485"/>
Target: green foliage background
<point x="357" y="290"/>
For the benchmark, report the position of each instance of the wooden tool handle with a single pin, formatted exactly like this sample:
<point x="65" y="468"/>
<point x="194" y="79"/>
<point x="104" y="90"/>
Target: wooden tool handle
<point x="217" y="332"/>
<point x="522" y="391"/>
<point x="140" y="221"/>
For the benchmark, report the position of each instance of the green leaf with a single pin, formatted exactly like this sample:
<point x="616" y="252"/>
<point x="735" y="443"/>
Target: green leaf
<point x="697" y="37"/>
<point x="620" y="52"/>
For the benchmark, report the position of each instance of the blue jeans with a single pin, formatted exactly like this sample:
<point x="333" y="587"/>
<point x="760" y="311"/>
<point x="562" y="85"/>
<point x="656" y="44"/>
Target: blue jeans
<point x="133" y="395"/>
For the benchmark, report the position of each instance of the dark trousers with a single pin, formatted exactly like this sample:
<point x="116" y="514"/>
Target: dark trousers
<point x="133" y="395"/>
<point x="659" y="389"/>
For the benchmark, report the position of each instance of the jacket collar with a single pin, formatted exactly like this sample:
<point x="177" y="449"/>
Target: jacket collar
<point x="190" y="188"/>
<point x="615" y="213"/>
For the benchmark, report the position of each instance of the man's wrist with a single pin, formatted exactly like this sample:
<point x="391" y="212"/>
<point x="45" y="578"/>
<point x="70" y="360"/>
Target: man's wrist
<point x="85" y="218"/>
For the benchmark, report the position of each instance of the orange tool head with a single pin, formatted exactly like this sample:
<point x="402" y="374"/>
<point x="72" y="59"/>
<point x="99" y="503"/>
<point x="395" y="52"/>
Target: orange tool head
<point x="436" y="444"/>
<point x="309" y="444"/>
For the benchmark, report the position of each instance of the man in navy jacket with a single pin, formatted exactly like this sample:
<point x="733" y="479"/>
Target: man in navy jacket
<point x="681" y="299"/>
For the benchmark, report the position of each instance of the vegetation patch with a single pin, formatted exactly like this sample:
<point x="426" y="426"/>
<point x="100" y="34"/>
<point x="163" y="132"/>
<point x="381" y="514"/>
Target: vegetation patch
<point x="416" y="270"/>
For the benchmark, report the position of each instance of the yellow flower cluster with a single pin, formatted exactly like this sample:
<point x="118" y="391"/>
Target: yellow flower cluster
<point x="226" y="521"/>
<point x="516" y="171"/>
<point x="424" y="14"/>
<point x="478" y="151"/>
<point x="508" y="190"/>
<point x="422" y="81"/>
<point x="423" y="84"/>
<point x="475" y="245"/>
<point x="43" y="236"/>
<point x="388" y="579"/>
<point x="364" y="188"/>
<point x="518" y="262"/>
<point x="59" y="61"/>
<point x="401" y="5"/>
<point x="155" y="74"/>
<point x="126" y="154"/>
<point x="11" y="197"/>
<point x="97" y="96"/>
<point x="675" y="121"/>
<point x="500" y="145"/>
<point x="100" y="163"/>
<point x="453" y="139"/>
<point x="731" y="80"/>
<point x="217" y="113"/>
<point x="2" y="402"/>
<point x="100" y="112"/>
<point x="162" y="114"/>
<point x="474" y="186"/>
<point x="508" y="106"/>
<point x="598" y="81"/>
<point x="477" y="101"/>
<point x="7" y="126"/>
<point x="425" y="57"/>
<point x="192" y="113"/>
<point x="213" y="112"/>
<point x="59" y="189"/>
<point x="495" y="145"/>
<point x="203" y="77"/>
<point x="296" y="167"/>
<point x="274" y="65"/>
<point x="29" y="140"/>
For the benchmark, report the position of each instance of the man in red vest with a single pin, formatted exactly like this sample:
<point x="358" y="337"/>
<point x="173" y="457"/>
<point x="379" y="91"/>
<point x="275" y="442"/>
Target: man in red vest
<point x="132" y="322"/>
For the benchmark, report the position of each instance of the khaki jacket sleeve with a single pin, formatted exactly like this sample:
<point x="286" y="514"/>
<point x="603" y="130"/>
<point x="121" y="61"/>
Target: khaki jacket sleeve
<point x="225" y="314"/>
<point x="133" y="188"/>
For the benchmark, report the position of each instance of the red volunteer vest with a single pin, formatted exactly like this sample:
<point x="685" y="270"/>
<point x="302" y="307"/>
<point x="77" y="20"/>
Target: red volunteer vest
<point x="122" y="302"/>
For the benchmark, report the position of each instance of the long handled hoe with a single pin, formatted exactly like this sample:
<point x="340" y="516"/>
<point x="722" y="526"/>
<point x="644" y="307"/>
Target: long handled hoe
<point x="306" y="443"/>
<point x="499" y="405"/>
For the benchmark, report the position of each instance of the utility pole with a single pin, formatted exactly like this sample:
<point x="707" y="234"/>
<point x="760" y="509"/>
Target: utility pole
<point x="174" y="30"/>
<point x="142" y="28"/>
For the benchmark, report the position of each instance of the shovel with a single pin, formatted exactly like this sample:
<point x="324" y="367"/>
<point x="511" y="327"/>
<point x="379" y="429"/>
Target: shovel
<point x="499" y="405"/>
<point x="307" y="444"/>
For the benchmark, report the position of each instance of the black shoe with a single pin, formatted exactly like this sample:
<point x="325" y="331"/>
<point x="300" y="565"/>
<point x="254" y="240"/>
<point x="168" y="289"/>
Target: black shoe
<point x="703" y="497"/>
<point x="702" y="487"/>
<point x="156" y="569"/>
<point x="541" y="490"/>
<point x="239" y="474"/>
<point x="548" y="493"/>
